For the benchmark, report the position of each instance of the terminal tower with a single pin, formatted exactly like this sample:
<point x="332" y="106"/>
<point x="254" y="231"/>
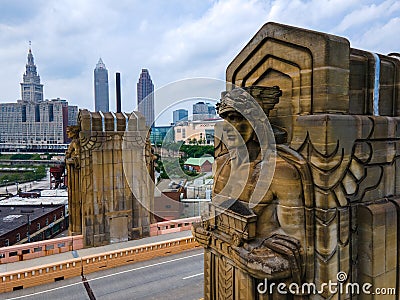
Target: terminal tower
<point x="31" y="88"/>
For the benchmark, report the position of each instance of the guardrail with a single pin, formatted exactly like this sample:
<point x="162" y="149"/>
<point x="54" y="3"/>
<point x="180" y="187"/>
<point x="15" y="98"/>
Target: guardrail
<point x="54" y="246"/>
<point x="16" y="280"/>
<point x="40" y="248"/>
<point x="172" y="226"/>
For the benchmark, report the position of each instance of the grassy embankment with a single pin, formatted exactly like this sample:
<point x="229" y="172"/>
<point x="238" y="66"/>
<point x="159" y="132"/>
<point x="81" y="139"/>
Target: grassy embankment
<point x="21" y="173"/>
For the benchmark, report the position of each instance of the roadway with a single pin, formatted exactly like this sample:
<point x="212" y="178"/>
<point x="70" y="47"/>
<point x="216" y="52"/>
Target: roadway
<point x="177" y="277"/>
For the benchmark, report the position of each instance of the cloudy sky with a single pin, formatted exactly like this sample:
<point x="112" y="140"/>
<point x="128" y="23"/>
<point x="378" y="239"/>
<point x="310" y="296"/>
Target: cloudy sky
<point x="174" y="39"/>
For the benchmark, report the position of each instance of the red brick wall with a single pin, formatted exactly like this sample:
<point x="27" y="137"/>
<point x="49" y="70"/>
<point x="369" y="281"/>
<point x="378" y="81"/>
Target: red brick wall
<point x="206" y="167"/>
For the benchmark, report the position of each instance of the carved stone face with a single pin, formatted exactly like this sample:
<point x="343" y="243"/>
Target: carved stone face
<point x="70" y="134"/>
<point x="238" y="129"/>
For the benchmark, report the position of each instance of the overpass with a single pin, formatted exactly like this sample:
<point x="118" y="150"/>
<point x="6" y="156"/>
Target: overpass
<point x="178" y="277"/>
<point x="60" y="267"/>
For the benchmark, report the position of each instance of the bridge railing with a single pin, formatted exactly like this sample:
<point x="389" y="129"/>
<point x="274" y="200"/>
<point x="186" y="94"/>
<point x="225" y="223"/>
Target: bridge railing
<point x="172" y="226"/>
<point x="54" y="246"/>
<point x="40" y="248"/>
<point x="24" y="278"/>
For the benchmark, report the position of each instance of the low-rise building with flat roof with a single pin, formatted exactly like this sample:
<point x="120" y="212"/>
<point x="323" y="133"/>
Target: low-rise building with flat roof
<point x="202" y="131"/>
<point x="28" y="219"/>
<point x="28" y="223"/>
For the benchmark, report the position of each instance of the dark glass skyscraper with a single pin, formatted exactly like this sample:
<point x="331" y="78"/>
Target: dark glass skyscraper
<point x="145" y="97"/>
<point x="31" y="89"/>
<point x="101" y="95"/>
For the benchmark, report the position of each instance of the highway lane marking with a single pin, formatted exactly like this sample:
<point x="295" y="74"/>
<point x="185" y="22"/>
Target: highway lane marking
<point x="110" y="275"/>
<point x="191" y="276"/>
<point x="148" y="266"/>
<point x="46" y="291"/>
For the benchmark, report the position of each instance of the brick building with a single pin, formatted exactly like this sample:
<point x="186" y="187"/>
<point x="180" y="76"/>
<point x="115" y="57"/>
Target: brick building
<point x="28" y="223"/>
<point x="202" y="164"/>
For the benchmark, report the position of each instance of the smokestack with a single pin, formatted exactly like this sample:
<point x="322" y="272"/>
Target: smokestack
<point x="118" y="87"/>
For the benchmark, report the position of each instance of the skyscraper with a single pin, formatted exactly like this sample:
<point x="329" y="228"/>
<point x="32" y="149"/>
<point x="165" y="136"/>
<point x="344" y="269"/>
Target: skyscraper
<point x="203" y="111"/>
<point x="145" y="97"/>
<point x="211" y="109"/>
<point x="101" y="95"/>
<point x="200" y="111"/>
<point x="179" y="115"/>
<point x="31" y="89"/>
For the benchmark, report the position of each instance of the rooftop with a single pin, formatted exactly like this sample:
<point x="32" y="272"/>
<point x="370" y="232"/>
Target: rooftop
<point x="12" y="217"/>
<point x="199" y="161"/>
<point x="47" y="197"/>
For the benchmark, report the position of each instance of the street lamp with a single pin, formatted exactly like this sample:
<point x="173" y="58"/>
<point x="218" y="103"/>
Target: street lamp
<point x="29" y="229"/>
<point x="28" y="225"/>
<point x="5" y="182"/>
<point x="199" y="206"/>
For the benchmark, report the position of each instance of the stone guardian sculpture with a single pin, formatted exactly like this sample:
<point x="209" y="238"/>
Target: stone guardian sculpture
<point x="256" y="228"/>
<point x="72" y="161"/>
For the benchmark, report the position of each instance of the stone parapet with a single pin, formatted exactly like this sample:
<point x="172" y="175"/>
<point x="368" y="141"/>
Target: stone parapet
<point x="108" y="165"/>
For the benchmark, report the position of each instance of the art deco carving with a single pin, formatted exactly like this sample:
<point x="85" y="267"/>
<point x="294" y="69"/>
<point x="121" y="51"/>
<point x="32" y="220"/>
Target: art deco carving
<point x="332" y="204"/>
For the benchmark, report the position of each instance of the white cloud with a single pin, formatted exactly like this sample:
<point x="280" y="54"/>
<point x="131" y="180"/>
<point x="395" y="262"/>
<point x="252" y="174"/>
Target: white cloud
<point x="380" y="37"/>
<point x="204" y="46"/>
<point x="367" y="14"/>
<point x="174" y="39"/>
<point x="310" y="14"/>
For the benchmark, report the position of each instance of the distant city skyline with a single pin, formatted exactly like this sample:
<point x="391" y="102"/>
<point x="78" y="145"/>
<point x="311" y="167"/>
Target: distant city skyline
<point x="174" y="39"/>
<point x="101" y="91"/>
<point x="166" y="116"/>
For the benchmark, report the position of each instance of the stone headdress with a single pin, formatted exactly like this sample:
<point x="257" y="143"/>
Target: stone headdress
<point x="254" y="103"/>
<point x="74" y="129"/>
<point x="241" y="100"/>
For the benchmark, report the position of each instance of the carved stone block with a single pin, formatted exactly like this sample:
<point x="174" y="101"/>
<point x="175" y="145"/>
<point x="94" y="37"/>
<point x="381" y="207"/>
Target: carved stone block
<point x="101" y="190"/>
